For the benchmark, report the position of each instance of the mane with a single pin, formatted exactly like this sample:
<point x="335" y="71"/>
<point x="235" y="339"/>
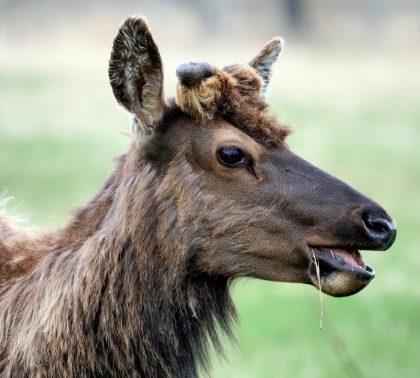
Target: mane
<point x="96" y="292"/>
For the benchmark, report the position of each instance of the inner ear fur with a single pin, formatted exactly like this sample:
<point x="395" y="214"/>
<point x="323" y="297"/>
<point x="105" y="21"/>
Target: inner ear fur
<point x="264" y="60"/>
<point x="136" y="75"/>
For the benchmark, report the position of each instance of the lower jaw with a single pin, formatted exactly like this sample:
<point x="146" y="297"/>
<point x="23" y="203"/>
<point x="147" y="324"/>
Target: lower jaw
<point x="338" y="281"/>
<point x="338" y="284"/>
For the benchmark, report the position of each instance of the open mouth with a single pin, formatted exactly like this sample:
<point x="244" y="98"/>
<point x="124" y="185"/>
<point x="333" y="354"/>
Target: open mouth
<point x="350" y="261"/>
<point x="341" y="271"/>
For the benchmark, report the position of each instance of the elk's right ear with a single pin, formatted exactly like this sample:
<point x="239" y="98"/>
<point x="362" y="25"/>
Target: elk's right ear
<point x="136" y="75"/>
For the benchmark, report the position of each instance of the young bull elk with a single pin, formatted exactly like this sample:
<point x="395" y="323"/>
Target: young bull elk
<point x="138" y="282"/>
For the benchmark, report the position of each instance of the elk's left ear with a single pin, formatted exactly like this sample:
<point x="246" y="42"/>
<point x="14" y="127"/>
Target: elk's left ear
<point x="136" y="76"/>
<point x="263" y="62"/>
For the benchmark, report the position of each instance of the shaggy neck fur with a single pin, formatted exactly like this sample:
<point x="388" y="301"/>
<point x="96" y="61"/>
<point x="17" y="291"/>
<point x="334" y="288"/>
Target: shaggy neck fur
<point x="115" y="293"/>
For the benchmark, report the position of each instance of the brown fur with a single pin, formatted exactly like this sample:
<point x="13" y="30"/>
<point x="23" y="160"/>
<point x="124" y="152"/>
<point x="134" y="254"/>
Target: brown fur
<point x="235" y="94"/>
<point x="202" y="101"/>
<point x="136" y="285"/>
<point x="93" y="296"/>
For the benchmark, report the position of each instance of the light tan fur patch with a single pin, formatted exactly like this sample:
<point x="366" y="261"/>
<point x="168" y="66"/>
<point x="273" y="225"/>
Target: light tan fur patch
<point x="202" y="101"/>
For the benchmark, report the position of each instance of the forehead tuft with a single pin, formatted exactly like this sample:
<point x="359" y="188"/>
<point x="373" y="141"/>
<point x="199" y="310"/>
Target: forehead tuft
<point x="235" y="94"/>
<point x="202" y="100"/>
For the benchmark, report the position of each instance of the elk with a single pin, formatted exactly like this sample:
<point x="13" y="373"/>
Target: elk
<point x="137" y="283"/>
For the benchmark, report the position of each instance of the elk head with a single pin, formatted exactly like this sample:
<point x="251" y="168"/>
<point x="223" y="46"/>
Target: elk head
<point x="246" y="204"/>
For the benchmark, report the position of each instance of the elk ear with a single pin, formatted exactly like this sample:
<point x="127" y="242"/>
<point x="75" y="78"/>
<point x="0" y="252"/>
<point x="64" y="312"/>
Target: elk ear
<point x="136" y="75"/>
<point x="264" y="60"/>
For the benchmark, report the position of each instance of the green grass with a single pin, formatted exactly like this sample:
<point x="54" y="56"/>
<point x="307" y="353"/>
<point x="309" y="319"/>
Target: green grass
<point x="60" y="129"/>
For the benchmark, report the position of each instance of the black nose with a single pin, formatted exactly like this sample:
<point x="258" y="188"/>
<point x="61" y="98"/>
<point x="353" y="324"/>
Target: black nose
<point x="380" y="227"/>
<point x="193" y="73"/>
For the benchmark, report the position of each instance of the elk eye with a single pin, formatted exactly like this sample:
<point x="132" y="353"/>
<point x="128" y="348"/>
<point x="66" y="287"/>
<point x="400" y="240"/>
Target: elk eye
<point x="231" y="157"/>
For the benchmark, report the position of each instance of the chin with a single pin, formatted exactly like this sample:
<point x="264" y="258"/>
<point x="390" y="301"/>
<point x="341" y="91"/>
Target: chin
<point x="339" y="272"/>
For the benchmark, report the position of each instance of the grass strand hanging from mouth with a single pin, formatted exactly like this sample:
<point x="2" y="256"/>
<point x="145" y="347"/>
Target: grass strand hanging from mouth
<point x="318" y="275"/>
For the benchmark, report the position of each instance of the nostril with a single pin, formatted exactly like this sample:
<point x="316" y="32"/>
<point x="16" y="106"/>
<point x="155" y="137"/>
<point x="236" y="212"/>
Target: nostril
<point x="377" y="224"/>
<point x="379" y="228"/>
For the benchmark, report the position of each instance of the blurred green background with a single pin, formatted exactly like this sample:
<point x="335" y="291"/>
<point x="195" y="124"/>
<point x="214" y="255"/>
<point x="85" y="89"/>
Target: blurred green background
<point x="348" y="82"/>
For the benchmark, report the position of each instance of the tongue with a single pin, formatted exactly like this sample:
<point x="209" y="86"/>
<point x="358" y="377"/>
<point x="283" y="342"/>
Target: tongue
<point x="352" y="258"/>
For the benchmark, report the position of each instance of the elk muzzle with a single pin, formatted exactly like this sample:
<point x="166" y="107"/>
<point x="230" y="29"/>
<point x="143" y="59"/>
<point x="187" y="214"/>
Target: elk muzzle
<point x="340" y="270"/>
<point x="338" y="222"/>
